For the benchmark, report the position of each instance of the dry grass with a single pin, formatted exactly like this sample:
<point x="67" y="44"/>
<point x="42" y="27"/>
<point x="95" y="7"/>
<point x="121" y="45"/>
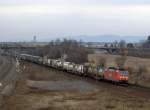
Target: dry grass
<point x="34" y="99"/>
<point x="75" y="101"/>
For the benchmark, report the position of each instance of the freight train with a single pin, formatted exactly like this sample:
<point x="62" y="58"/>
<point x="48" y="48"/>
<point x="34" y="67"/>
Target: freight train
<point x="116" y="75"/>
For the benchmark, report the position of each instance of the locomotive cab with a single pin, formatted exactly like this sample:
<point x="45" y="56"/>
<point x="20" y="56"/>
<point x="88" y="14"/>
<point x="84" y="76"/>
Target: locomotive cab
<point x="123" y="75"/>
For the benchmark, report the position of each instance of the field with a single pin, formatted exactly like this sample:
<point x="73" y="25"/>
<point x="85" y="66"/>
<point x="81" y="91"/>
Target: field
<point x="131" y="62"/>
<point x="42" y="88"/>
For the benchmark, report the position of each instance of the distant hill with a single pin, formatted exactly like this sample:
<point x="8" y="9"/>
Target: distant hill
<point x="109" y="38"/>
<point x="96" y="38"/>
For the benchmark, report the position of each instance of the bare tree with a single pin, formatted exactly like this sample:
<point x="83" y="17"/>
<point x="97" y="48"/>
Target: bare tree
<point x="148" y="39"/>
<point x="120" y="61"/>
<point x="111" y="46"/>
<point x="122" y="44"/>
<point x="73" y="49"/>
<point x="130" y="45"/>
<point x="146" y="44"/>
<point x="106" y="45"/>
<point x="115" y="43"/>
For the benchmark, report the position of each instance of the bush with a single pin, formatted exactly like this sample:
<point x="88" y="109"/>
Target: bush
<point x="120" y="61"/>
<point x="141" y="70"/>
<point x="102" y="62"/>
<point x="130" y="70"/>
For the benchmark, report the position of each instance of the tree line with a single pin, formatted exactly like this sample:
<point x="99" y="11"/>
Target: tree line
<point x="66" y="49"/>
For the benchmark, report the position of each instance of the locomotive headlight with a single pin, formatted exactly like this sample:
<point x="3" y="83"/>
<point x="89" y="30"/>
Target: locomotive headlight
<point x="121" y="77"/>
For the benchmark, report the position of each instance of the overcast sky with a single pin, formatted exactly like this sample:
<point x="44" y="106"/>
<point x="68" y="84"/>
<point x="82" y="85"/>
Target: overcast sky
<point x="20" y="20"/>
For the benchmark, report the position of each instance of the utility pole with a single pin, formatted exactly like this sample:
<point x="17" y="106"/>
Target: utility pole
<point x="34" y="38"/>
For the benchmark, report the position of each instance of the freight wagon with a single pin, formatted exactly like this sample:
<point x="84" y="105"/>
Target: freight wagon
<point x="79" y="69"/>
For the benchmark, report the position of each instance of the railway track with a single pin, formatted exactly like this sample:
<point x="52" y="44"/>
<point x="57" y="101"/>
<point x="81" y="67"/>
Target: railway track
<point x="5" y="68"/>
<point x="7" y="71"/>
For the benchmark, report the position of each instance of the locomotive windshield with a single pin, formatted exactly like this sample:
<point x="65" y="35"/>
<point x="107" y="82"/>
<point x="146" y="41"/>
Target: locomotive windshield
<point x="124" y="72"/>
<point x="121" y="69"/>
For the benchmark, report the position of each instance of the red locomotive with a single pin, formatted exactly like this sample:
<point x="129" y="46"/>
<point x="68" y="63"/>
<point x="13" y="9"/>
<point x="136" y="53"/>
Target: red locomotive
<point x="116" y="75"/>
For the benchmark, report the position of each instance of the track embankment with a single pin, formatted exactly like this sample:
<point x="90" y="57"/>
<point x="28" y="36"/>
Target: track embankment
<point x="8" y="76"/>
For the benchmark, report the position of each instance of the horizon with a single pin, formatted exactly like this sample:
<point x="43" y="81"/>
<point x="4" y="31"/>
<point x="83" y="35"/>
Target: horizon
<point x="85" y="38"/>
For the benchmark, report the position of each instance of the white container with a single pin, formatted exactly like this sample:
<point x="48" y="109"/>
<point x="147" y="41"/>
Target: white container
<point x="65" y="65"/>
<point x="79" y="68"/>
